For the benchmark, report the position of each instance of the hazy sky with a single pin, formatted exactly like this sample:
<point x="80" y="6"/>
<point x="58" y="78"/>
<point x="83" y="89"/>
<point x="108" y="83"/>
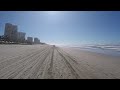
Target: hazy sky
<point x="66" y="27"/>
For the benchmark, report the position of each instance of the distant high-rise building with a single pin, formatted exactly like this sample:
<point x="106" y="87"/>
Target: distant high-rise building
<point x="11" y="32"/>
<point x="21" y="37"/>
<point x="30" y="40"/>
<point x="36" y="41"/>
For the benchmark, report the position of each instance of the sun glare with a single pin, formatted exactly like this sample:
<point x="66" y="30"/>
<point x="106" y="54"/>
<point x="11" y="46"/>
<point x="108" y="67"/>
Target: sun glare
<point x="52" y="12"/>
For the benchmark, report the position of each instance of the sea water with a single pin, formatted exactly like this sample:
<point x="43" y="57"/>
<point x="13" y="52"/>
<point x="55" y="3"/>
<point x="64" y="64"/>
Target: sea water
<point x="103" y="51"/>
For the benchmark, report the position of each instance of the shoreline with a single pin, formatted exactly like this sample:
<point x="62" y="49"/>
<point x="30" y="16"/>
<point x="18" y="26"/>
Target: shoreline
<point x="108" y="52"/>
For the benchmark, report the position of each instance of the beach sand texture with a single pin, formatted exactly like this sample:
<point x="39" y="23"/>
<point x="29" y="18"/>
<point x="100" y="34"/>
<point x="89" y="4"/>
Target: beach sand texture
<point x="52" y="62"/>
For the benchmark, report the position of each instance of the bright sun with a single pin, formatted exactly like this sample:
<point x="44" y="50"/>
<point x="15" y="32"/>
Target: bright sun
<point x="52" y="12"/>
<point x="53" y="15"/>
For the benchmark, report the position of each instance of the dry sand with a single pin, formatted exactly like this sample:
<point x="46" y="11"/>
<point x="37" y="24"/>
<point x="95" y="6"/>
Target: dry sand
<point x="49" y="62"/>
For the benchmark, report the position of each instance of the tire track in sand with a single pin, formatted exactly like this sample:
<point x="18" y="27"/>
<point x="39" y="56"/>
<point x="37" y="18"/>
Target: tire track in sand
<point x="72" y="65"/>
<point x="73" y="71"/>
<point x="16" y="59"/>
<point x="30" y="63"/>
<point x="48" y="70"/>
<point x="36" y="67"/>
<point x="19" y="65"/>
<point x="28" y="68"/>
<point x="84" y="69"/>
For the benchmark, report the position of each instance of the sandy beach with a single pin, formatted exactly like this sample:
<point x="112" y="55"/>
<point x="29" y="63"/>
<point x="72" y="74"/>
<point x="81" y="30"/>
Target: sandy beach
<point x="52" y="62"/>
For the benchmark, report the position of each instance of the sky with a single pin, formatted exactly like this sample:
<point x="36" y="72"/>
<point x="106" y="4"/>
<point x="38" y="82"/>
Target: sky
<point x="66" y="27"/>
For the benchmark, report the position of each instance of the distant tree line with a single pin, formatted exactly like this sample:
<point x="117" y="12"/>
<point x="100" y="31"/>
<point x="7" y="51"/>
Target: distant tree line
<point x="4" y="39"/>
